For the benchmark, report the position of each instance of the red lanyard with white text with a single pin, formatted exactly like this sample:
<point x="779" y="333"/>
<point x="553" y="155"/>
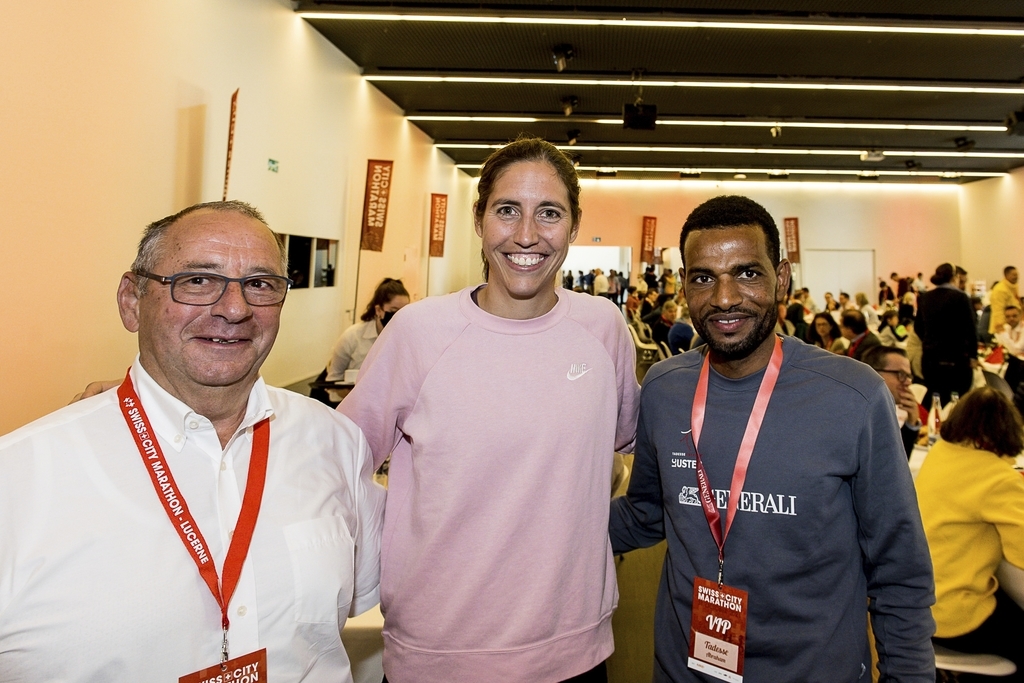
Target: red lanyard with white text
<point x="739" y="473"/>
<point x="178" y="512"/>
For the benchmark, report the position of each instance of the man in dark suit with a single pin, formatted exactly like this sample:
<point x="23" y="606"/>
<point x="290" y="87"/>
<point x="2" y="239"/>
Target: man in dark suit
<point x="854" y="328"/>
<point x="947" y="326"/>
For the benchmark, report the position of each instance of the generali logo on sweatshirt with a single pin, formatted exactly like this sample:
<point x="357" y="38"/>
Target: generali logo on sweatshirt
<point x="750" y="501"/>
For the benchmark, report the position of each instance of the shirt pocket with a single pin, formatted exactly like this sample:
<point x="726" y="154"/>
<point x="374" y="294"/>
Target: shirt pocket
<point x="322" y="554"/>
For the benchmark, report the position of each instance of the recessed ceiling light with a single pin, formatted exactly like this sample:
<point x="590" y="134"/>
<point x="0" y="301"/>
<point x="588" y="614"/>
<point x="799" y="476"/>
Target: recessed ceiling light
<point x="838" y="125"/>
<point x="624" y="22"/>
<point x="739" y="85"/>
<point x="740" y="176"/>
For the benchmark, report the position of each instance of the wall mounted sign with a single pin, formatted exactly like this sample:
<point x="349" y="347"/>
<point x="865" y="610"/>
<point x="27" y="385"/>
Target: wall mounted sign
<point x="438" y="221"/>
<point x="375" y="204"/>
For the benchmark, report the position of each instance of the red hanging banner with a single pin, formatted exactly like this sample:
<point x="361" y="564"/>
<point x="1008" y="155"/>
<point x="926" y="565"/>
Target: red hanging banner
<point x="375" y="204"/>
<point x="438" y="222"/>
<point x="647" y="239"/>
<point x="792" y="229"/>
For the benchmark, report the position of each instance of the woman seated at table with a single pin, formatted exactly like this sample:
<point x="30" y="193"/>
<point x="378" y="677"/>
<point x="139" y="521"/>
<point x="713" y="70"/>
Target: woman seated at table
<point x="972" y="507"/>
<point x="824" y="333"/>
<point x="355" y="342"/>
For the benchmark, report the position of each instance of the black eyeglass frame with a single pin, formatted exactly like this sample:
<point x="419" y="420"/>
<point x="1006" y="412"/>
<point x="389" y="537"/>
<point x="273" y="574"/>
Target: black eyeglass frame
<point x="900" y="375"/>
<point x="172" y="279"/>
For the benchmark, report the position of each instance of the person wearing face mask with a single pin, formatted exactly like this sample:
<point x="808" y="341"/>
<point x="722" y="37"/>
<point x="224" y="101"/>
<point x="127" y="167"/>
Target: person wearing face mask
<point x="355" y="342"/>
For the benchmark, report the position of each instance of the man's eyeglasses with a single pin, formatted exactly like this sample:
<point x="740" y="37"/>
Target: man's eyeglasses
<point x="206" y="289"/>
<point x="902" y="376"/>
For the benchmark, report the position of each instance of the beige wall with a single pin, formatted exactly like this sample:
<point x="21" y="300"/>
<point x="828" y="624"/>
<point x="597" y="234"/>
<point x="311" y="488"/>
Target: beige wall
<point x="910" y="227"/>
<point x="992" y="221"/>
<point x="114" y="114"/>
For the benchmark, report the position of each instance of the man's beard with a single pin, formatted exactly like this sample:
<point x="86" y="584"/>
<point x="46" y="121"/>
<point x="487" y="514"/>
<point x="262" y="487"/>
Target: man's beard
<point x="737" y="349"/>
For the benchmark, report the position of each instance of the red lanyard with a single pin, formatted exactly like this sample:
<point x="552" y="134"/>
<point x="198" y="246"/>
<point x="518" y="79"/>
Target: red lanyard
<point x="739" y="473"/>
<point x="178" y="512"/>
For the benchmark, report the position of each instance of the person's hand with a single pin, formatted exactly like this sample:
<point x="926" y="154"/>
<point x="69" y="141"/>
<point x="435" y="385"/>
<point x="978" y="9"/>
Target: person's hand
<point x="974" y="363"/>
<point x="94" y="388"/>
<point x="909" y="404"/>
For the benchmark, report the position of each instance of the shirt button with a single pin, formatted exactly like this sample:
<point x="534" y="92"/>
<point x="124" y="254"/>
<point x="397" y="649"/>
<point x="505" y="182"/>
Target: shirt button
<point x="193" y="425"/>
<point x="177" y="438"/>
<point x="242" y="611"/>
<point x="223" y="465"/>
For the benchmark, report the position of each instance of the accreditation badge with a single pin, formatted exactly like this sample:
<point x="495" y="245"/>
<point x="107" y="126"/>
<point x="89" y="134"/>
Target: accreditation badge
<point x="250" y="668"/>
<point x="718" y="630"/>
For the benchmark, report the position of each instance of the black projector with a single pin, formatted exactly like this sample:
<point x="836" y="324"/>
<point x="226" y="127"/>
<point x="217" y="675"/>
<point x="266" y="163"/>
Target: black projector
<point x="639" y="116"/>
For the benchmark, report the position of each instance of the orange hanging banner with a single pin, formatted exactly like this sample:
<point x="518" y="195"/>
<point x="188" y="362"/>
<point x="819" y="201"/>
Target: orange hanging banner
<point x="375" y="204"/>
<point x="438" y="222"/>
<point x="647" y="239"/>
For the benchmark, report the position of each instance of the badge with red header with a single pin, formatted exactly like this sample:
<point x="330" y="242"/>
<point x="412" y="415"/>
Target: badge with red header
<point x="249" y="668"/>
<point x="718" y="630"/>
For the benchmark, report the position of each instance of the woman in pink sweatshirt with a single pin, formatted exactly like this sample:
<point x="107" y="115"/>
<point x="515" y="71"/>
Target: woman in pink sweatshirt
<point x="501" y="406"/>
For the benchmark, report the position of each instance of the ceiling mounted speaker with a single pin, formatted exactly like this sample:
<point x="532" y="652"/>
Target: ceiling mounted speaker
<point x="639" y="116"/>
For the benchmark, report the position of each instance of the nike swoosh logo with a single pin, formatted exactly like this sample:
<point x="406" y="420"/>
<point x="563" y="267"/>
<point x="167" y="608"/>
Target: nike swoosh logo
<point x="575" y="376"/>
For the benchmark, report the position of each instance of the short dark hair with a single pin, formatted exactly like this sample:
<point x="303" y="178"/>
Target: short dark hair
<point x="943" y="273"/>
<point x="732" y="211"/>
<point x="854" y="321"/>
<point x="526" y="148"/>
<point x="985" y="419"/>
<point x="1007" y="269"/>
<point x="877" y="356"/>
<point x="387" y="290"/>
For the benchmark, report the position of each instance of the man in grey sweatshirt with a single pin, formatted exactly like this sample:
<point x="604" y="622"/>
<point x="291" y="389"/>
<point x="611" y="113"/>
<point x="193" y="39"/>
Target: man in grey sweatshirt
<point x="826" y="526"/>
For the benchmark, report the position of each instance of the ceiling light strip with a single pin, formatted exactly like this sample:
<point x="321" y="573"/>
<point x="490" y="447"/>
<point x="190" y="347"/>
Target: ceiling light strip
<point x="757" y="85"/>
<point x="839" y="125"/>
<point x="671" y="23"/>
<point x="751" y="150"/>
<point x="777" y="171"/>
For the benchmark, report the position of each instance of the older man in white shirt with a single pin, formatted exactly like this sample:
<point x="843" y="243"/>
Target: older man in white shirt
<point x="194" y="523"/>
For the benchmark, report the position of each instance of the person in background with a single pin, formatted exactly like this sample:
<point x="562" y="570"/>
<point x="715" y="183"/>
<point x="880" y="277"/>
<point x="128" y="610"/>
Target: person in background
<point x="650" y="278"/>
<point x="855" y="330"/>
<point x="650" y="302"/>
<point x="660" y="328"/>
<point x="668" y="282"/>
<point x="893" y="367"/>
<point x="120" y="513"/>
<point x="891" y="332"/>
<point x="972" y="506"/>
<point x="865" y="307"/>
<point x="918" y="284"/>
<point x="808" y="302"/>
<point x="350" y="350"/>
<point x="1004" y="294"/>
<point x="600" y="283"/>
<point x="902" y="284"/>
<point x="502" y="406"/>
<point x="824" y="333"/>
<point x="795" y="315"/>
<point x="908" y="305"/>
<point x="961" y="279"/>
<point x="613" y="287"/>
<point x="826" y="532"/>
<point x="885" y="294"/>
<point x="947" y="327"/>
<point x="1011" y="338"/>
<point x="830" y="303"/>
<point x="632" y="303"/>
<point x="681" y="336"/>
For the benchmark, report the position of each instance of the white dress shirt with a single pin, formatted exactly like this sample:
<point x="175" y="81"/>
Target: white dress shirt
<point x="95" y="584"/>
<point x="1012" y="339"/>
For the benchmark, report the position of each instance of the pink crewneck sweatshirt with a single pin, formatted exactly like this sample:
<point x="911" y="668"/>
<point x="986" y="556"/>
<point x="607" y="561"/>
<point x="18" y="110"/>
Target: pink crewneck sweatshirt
<point x="496" y="564"/>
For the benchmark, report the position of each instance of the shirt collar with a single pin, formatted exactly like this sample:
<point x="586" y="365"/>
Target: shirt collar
<point x="169" y="416"/>
<point x="371" y="329"/>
